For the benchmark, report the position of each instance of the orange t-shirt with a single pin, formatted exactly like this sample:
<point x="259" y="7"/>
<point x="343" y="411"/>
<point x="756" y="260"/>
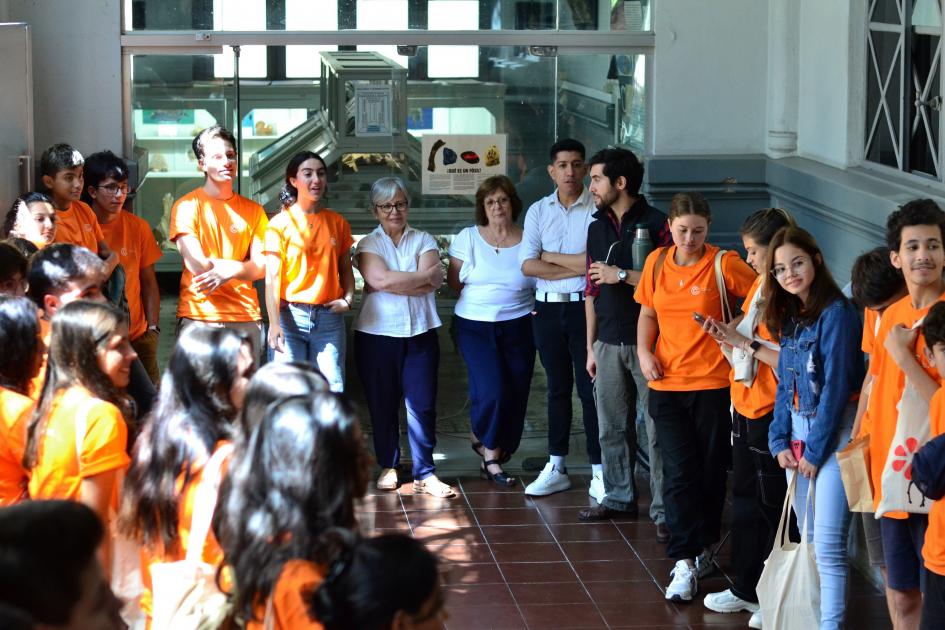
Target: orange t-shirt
<point x="130" y="237"/>
<point x="79" y="226"/>
<point x="59" y="470"/>
<point x="691" y="359"/>
<point x="309" y="246"/>
<point x="755" y="401"/>
<point x="934" y="548"/>
<point x="888" y="382"/>
<point x="15" y="412"/>
<point x="36" y="385"/>
<point x="212" y="552"/>
<point x="289" y="608"/>
<point x="870" y="319"/>
<point x="227" y="230"/>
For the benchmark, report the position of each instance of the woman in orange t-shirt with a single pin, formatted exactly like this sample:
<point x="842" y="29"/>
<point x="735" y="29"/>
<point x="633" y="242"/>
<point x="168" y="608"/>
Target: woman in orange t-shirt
<point x="688" y="380"/>
<point x="201" y="395"/>
<point x="19" y="363"/>
<point x="297" y="477"/>
<point x="758" y="483"/>
<point x="76" y="440"/>
<point x="309" y="280"/>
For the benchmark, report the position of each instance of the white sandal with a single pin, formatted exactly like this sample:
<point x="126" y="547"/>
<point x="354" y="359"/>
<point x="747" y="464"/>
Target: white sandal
<point x="434" y="487"/>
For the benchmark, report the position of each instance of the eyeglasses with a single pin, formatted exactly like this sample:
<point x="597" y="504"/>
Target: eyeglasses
<point x="494" y="203"/>
<point x="388" y="208"/>
<point x="114" y="189"/>
<point x="796" y="267"/>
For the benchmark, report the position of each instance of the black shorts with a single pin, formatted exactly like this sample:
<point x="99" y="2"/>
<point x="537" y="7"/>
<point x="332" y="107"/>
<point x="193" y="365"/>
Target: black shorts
<point x="902" y="549"/>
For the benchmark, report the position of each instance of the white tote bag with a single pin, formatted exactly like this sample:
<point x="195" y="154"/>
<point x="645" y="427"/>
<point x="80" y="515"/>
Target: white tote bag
<point x="185" y="592"/>
<point x="789" y="587"/>
<point x="912" y="432"/>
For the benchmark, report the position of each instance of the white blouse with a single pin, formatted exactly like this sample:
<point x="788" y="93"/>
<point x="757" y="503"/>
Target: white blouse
<point x="495" y="289"/>
<point x="388" y="314"/>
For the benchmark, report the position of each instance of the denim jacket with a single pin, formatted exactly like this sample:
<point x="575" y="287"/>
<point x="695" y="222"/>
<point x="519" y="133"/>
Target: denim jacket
<point x="823" y="363"/>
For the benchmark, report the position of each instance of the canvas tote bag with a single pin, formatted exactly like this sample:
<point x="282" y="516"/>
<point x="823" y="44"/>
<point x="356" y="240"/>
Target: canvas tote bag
<point x="900" y="494"/>
<point x="789" y="587"/>
<point x="185" y="593"/>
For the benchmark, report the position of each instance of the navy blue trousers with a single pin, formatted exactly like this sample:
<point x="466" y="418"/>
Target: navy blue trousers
<point x="394" y="369"/>
<point x="500" y="359"/>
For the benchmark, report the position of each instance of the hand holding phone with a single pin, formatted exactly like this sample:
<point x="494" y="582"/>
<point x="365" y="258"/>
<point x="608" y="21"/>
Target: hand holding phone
<point x="699" y="317"/>
<point x="797" y="449"/>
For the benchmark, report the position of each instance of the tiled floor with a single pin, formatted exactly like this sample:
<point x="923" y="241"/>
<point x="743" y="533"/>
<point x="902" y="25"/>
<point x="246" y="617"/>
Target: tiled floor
<point x="510" y="561"/>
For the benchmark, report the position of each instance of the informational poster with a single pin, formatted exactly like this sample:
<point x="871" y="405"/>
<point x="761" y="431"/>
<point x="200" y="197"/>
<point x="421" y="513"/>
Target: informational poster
<point x="456" y="165"/>
<point x="372" y="110"/>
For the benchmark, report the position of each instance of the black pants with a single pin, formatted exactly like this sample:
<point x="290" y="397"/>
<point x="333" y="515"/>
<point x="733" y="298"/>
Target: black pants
<point x="758" y="488"/>
<point x="933" y="602"/>
<point x="693" y="430"/>
<point x="561" y="339"/>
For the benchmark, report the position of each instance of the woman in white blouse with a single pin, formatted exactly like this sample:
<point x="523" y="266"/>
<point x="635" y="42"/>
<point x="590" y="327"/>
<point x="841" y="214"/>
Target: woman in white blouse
<point x="396" y="350"/>
<point x="494" y="324"/>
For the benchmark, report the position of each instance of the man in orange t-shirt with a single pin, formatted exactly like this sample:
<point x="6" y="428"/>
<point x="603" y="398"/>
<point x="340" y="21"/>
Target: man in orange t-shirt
<point x="130" y="237"/>
<point x="914" y="236"/>
<point x="62" y="170"/>
<point x="933" y="551"/>
<point x="220" y="235"/>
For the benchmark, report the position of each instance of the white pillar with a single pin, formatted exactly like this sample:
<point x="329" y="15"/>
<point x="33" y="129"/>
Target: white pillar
<point x="783" y="61"/>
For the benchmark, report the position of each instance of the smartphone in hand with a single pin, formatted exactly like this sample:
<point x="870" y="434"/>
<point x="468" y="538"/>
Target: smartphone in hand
<point x="797" y="448"/>
<point x="699" y="317"/>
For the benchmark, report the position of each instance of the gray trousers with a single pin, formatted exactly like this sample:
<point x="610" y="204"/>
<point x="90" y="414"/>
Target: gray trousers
<point x="618" y="389"/>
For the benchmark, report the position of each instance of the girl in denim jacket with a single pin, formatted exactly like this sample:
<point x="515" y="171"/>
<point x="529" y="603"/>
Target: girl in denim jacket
<point x="820" y="370"/>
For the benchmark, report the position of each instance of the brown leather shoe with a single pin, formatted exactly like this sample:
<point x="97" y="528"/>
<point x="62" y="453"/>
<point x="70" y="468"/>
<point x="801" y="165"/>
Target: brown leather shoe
<point x="662" y="533"/>
<point x="603" y="513"/>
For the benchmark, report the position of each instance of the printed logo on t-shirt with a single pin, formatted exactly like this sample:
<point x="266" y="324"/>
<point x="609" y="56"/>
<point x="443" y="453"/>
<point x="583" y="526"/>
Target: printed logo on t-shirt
<point x="87" y="227"/>
<point x="124" y="251"/>
<point x="334" y="243"/>
<point x="696" y="290"/>
<point x="234" y="229"/>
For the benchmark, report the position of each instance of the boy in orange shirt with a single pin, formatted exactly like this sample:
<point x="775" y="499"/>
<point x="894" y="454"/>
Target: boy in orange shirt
<point x="220" y="235"/>
<point x="933" y="552"/>
<point x="129" y="236"/>
<point x="62" y="170"/>
<point x="914" y="236"/>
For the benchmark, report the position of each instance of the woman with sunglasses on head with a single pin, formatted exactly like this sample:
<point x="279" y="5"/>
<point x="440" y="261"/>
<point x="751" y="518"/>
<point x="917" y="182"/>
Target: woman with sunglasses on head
<point x="494" y="324"/>
<point x="190" y="432"/>
<point x="309" y="280"/>
<point x="820" y="370"/>
<point x="396" y="349"/>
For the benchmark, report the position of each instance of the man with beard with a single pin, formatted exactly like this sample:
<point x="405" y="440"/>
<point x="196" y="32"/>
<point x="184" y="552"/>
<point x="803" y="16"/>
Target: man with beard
<point x="612" y="313"/>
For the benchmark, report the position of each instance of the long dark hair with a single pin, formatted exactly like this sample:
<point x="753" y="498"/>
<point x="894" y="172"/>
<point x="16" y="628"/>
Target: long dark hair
<point x="193" y="413"/>
<point x="276" y="380"/>
<point x="761" y="226"/>
<point x="297" y="477"/>
<point x="80" y="330"/>
<point x="781" y="306"/>
<point x="20" y="204"/>
<point x="19" y="338"/>
<point x="289" y="193"/>
<point x="370" y="579"/>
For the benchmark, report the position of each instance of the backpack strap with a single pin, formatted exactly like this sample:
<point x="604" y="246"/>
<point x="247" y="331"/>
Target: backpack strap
<point x="660" y="259"/>
<point x="205" y="502"/>
<point x="723" y="291"/>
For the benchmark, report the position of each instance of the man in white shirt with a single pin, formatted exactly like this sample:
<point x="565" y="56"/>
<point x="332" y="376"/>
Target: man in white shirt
<point x="553" y="251"/>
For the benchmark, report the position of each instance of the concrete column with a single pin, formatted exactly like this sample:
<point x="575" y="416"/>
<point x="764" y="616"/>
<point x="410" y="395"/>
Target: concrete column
<point x="783" y="61"/>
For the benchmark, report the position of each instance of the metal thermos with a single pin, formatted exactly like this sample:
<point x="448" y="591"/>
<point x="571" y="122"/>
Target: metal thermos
<point x="642" y="246"/>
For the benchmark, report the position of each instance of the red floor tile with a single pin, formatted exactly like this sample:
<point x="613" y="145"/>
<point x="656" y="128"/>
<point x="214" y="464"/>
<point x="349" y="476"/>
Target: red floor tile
<point x="469" y="595"/>
<point x="454" y="573"/>
<point x="517" y="533"/>
<point x="608" y="550"/>
<point x="641" y="591"/>
<point x="484" y="618"/>
<point x="531" y="572"/>
<point x="527" y="552"/>
<point x="448" y="535"/>
<point x="609" y="571"/>
<point x="453" y="517"/>
<point x="510" y="516"/>
<point x="498" y="500"/>
<point x="629" y="614"/>
<point x="552" y="593"/>
<point x="578" y="532"/>
<point x="563" y="616"/>
<point x="461" y="552"/>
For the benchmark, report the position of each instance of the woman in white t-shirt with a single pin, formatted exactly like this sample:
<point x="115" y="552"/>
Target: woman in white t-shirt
<point x="494" y="324"/>
<point x="396" y="350"/>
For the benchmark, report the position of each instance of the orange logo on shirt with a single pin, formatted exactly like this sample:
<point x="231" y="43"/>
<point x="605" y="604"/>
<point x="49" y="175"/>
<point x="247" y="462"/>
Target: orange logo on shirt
<point x="124" y="251"/>
<point x="696" y="290"/>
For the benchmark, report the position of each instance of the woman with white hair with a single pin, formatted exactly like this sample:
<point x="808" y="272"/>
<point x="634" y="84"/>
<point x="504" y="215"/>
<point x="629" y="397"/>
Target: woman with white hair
<point x="396" y="350"/>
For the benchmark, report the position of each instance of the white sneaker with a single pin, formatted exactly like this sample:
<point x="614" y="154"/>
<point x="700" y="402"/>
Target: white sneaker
<point x="685" y="584"/>
<point x="705" y="564"/>
<point x="596" y="490"/>
<point x="729" y="602"/>
<point x="755" y="621"/>
<point x="549" y="481"/>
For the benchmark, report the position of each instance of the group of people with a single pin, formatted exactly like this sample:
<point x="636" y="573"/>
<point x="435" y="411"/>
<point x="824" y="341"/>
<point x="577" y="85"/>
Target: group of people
<point x="752" y="366"/>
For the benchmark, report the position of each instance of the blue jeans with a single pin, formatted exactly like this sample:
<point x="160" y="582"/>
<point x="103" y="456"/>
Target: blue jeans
<point x="831" y="520"/>
<point x="313" y="334"/>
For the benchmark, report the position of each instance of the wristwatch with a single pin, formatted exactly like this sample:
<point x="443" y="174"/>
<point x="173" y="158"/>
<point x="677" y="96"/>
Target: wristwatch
<point x="155" y="328"/>
<point x="754" y="346"/>
<point x="622" y="275"/>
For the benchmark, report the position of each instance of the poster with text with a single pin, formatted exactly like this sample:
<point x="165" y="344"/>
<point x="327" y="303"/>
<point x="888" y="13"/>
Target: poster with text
<point x="456" y="165"/>
<point x="372" y="111"/>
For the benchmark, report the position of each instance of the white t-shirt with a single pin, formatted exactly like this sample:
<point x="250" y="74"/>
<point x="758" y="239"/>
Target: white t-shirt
<point x="495" y="289"/>
<point x="388" y="314"/>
